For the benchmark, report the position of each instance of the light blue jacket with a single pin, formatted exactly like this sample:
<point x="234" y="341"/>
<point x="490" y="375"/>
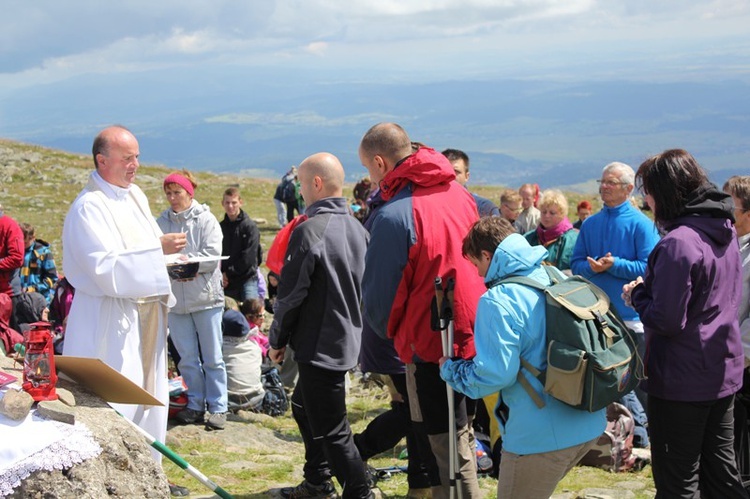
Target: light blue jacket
<point x="510" y="324"/>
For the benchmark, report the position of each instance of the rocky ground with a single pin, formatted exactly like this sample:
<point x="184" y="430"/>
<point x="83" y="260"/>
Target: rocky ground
<point x="246" y="430"/>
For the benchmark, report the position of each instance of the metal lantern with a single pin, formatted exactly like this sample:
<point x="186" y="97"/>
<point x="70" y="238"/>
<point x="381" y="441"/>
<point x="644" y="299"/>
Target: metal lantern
<point x="39" y="375"/>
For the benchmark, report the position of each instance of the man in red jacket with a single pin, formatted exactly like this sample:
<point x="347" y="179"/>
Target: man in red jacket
<point x="11" y="260"/>
<point x="416" y="236"/>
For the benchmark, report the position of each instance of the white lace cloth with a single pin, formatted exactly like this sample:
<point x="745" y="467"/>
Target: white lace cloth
<point x="40" y="444"/>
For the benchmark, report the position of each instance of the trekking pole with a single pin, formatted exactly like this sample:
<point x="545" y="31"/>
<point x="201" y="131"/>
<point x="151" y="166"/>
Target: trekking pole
<point x="179" y="461"/>
<point x="452" y="434"/>
<point x="444" y="301"/>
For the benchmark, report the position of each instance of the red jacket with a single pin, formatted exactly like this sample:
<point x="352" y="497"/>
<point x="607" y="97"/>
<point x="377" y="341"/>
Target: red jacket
<point x="11" y="255"/>
<point x="416" y="236"/>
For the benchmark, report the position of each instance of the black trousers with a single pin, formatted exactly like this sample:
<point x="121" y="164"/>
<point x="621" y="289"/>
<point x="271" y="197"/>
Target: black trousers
<point x="388" y="428"/>
<point x="741" y="430"/>
<point x="319" y="408"/>
<point x="290" y="207"/>
<point x="434" y="403"/>
<point x="692" y="449"/>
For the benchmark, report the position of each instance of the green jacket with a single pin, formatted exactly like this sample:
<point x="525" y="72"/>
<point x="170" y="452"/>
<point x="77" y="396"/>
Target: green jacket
<point x="560" y="250"/>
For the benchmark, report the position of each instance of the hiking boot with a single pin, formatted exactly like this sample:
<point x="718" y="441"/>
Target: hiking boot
<point x="178" y="490"/>
<point x="372" y="476"/>
<point x="425" y="493"/>
<point x="216" y="421"/>
<point x="326" y="490"/>
<point x="189" y="416"/>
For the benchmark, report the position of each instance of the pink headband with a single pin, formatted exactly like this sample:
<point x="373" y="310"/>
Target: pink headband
<point x="182" y="181"/>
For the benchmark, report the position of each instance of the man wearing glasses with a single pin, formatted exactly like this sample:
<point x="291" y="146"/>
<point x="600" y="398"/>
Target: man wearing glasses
<point x="613" y="246"/>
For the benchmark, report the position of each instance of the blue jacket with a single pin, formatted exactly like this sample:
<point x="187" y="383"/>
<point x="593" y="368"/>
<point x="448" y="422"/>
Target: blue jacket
<point x="629" y="236"/>
<point x="377" y="354"/>
<point x="39" y="272"/>
<point x="510" y="324"/>
<point x="486" y="207"/>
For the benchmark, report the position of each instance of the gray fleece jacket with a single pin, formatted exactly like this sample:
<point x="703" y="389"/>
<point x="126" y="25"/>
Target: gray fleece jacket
<point x="318" y="306"/>
<point x="203" y="239"/>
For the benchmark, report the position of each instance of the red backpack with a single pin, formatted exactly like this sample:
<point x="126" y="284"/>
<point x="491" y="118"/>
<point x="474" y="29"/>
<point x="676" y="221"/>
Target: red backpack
<point x="277" y="251"/>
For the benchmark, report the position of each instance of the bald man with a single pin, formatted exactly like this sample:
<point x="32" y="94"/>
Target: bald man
<point x="318" y="314"/>
<point x="113" y="255"/>
<point x="417" y="236"/>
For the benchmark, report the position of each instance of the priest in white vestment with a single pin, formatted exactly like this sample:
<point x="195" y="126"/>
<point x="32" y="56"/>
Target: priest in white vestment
<point x="113" y="254"/>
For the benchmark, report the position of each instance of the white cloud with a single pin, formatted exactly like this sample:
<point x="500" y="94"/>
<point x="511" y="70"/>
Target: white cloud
<point x="317" y="48"/>
<point x="46" y="41"/>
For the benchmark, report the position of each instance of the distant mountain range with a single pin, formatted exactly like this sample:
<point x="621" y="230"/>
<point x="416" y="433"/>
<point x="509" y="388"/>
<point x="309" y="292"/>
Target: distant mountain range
<point x="553" y="133"/>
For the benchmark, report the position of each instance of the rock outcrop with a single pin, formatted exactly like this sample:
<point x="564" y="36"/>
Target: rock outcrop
<point x="124" y="468"/>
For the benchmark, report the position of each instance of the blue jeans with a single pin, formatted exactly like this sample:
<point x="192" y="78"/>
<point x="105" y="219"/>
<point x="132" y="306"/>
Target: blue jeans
<point x="250" y="289"/>
<point x="280" y="212"/>
<point x="241" y="291"/>
<point x="640" y="438"/>
<point x="197" y="337"/>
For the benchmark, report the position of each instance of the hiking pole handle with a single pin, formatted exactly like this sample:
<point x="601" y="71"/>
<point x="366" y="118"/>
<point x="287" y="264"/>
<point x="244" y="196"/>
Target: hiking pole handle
<point x="439" y="297"/>
<point x="449" y="294"/>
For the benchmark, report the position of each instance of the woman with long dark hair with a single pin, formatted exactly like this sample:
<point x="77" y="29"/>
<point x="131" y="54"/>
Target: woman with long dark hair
<point x="688" y="303"/>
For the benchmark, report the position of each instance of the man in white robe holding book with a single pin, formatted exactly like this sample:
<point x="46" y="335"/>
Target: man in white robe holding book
<point x="114" y="256"/>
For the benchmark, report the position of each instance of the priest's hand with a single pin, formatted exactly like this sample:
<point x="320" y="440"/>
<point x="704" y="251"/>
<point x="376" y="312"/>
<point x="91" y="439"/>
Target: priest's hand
<point x="173" y="242"/>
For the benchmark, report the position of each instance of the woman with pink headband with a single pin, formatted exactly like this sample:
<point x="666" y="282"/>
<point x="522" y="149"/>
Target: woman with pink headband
<point x="195" y="321"/>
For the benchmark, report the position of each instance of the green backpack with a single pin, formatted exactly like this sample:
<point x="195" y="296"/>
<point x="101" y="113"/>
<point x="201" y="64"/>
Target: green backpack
<point x="592" y="357"/>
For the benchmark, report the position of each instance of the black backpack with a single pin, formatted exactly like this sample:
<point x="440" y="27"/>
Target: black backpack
<point x="288" y="191"/>
<point x="275" y="402"/>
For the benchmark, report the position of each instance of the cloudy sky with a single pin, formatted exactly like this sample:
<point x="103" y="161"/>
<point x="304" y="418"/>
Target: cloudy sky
<point x="180" y="73"/>
<point x="44" y="42"/>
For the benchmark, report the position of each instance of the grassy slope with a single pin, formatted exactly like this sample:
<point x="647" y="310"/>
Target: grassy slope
<point x="37" y="186"/>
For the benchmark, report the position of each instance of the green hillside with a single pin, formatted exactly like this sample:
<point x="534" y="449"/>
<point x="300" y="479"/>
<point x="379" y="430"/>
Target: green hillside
<point x="38" y="184"/>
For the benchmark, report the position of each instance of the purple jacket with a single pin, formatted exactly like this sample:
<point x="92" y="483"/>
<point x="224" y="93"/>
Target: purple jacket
<point x="688" y="304"/>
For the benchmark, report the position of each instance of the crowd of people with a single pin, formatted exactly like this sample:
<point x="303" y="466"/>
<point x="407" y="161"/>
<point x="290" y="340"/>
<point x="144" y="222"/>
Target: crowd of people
<point x="356" y="289"/>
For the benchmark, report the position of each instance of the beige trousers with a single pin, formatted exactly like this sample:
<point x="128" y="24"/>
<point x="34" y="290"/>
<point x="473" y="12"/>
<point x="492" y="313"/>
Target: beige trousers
<point x="535" y="476"/>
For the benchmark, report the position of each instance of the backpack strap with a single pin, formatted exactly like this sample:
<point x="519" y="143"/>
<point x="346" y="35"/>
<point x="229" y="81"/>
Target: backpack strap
<point x="555" y="276"/>
<point x="526" y="385"/>
<point x="526" y="281"/>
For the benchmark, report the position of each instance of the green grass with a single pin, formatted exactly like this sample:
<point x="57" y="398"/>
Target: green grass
<point x="262" y="469"/>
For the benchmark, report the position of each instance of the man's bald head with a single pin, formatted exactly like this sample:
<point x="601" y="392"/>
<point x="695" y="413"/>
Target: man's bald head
<point x="321" y="176"/>
<point x="104" y="139"/>
<point x="116" y="155"/>
<point x="382" y="147"/>
<point x="388" y="140"/>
